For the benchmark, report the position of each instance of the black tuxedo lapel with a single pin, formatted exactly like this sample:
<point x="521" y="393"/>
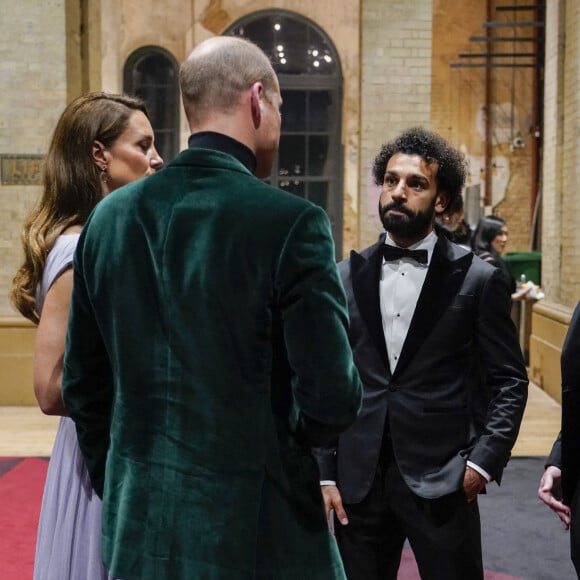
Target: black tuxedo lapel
<point x="443" y="281"/>
<point x="365" y="274"/>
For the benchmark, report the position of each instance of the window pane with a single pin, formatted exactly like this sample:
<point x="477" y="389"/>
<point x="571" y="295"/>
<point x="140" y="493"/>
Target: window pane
<point x="152" y="75"/>
<point x="317" y="155"/>
<point x="293" y="186"/>
<point x="293" y="111"/>
<point x="291" y="159"/>
<point x="293" y="46"/>
<point x="292" y="38"/>
<point x="318" y="193"/>
<point x="154" y="69"/>
<point x="161" y="105"/>
<point x="320" y="110"/>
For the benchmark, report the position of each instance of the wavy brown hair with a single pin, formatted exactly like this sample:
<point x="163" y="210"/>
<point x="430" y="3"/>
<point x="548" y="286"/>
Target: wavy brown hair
<point x="72" y="183"/>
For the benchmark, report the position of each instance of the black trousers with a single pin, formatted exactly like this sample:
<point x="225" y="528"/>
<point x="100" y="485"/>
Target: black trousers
<point x="444" y="533"/>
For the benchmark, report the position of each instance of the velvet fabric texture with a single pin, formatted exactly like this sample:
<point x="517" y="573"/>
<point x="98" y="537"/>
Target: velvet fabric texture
<point x="207" y="351"/>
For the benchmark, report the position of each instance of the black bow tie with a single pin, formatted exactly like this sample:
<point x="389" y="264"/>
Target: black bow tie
<point x="391" y="253"/>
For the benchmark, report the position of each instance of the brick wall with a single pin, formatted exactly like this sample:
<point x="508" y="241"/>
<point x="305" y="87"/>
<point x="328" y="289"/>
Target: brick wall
<point x="570" y="236"/>
<point x="33" y="80"/>
<point x="560" y="195"/>
<point x="395" y="89"/>
<point x="561" y="170"/>
<point x="459" y="100"/>
<point x="553" y="149"/>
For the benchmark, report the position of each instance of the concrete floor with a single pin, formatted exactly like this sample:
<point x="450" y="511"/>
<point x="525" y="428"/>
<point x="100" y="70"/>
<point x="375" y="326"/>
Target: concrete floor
<point x="25" y="431"/>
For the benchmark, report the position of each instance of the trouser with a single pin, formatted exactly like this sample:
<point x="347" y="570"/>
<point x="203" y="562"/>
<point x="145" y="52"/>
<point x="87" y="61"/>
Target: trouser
<point x="444" y="533"/>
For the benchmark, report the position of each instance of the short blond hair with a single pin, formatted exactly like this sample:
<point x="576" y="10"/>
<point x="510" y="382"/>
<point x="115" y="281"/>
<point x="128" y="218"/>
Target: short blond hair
<point x="217" y="72"/>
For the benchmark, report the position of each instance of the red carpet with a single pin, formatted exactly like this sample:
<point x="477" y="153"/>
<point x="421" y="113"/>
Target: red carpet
<point x="408" y="570"/>
<point x="21" y="485"/>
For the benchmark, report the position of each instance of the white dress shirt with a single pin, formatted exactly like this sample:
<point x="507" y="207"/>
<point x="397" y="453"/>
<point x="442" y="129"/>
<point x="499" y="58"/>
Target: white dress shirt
<point x="401" y="283"/>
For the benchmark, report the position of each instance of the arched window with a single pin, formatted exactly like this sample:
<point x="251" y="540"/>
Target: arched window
<point x="151" y="73"/>
<point x="309" y="161"/>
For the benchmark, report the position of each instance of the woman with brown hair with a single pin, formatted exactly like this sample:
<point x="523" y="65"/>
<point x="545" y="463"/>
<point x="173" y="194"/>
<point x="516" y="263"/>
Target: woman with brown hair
<point x="101" y="142"/>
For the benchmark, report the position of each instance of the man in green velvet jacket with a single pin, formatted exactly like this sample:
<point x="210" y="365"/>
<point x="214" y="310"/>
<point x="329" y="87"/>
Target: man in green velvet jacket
<point x="207" y="349"/>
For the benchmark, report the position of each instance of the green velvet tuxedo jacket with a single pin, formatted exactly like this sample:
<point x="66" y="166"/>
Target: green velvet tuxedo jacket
<point x="207" y="351"/>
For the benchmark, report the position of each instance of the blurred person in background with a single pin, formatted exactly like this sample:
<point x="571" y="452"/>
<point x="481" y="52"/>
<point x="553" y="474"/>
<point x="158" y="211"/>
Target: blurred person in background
<point x="489" y="243"/>
<point x="453" y="222"/>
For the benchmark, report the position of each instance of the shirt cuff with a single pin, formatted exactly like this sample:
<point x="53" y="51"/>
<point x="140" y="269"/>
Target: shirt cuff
<point x="327" y="482"/>
<point x="479" y="470"/>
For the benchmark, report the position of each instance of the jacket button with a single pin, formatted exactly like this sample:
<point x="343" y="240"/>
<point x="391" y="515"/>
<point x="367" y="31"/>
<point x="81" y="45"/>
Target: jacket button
<point x="392" y="387"/>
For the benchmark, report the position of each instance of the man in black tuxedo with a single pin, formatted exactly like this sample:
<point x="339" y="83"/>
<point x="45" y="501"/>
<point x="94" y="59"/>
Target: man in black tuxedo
<point x="559" y="486"/>
<point x="445" y="384"/>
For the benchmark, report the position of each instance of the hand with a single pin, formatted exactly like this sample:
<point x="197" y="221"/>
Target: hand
<point x="550" y="492"/>
<point x="333" y="501"/>
<point x="473" y="484"/>
<point x="522" y="294"/>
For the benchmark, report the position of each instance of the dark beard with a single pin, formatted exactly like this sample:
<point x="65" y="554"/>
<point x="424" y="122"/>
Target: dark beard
<point x="411" y="224"/>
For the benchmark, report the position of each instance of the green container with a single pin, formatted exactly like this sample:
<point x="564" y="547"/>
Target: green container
<point x="527" y="263"/>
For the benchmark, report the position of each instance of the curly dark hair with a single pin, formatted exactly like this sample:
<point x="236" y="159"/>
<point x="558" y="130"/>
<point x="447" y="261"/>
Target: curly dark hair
<point x="452" y="166"/>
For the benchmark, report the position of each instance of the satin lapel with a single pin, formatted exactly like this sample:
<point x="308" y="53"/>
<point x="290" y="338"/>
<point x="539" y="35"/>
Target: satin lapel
<point x="444" y="279"/>
<point x="365" y="274"/>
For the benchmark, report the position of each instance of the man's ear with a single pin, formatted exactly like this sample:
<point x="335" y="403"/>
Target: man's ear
<point x="100" y="154"/>
<point x="256" y="96"/>
<point x="441" y="202"/>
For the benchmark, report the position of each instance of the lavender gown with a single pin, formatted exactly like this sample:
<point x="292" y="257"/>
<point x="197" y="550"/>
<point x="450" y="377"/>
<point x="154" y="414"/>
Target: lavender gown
<point x="68" y="545"/>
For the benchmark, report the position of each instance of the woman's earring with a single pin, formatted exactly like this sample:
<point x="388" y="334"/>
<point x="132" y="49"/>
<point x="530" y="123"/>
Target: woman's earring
<point x="104" y="174"/>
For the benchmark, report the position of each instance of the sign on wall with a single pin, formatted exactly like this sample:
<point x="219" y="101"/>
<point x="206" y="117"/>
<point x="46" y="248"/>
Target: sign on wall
<point x="25" y="169"/>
